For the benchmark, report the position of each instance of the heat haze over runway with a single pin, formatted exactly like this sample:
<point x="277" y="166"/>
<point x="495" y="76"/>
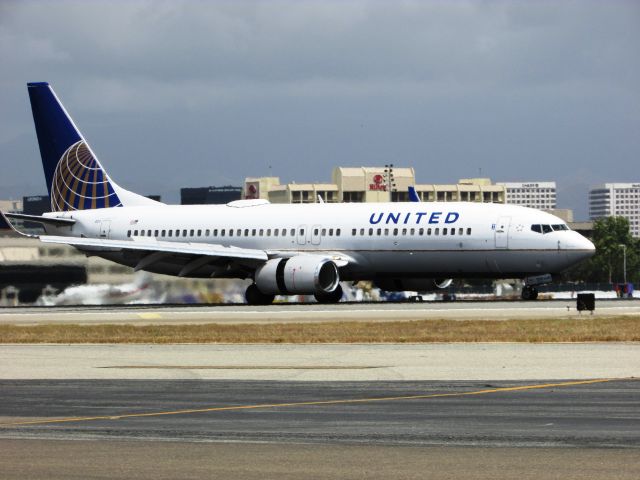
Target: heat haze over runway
<point x="278" y="313"/>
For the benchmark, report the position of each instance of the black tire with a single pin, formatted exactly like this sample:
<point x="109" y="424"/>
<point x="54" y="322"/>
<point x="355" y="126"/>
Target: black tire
<point x="529" y="293"/>
<point x="254" y="296"/>
<point x="332" y="297"/>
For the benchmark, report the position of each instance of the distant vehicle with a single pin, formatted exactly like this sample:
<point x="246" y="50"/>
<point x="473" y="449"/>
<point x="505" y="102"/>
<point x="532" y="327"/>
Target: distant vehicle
<point x="304" y="249"/>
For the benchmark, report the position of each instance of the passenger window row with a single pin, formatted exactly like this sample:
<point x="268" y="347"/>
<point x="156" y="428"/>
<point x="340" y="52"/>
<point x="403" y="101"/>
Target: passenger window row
<point x="227" y="232"/>
<point x="323" y="232"/>
<point x="378" y="232"/>
<point x="282" y="232"/>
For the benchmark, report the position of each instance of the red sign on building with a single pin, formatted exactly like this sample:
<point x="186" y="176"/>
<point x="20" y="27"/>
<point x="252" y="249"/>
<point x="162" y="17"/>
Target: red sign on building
<point x="252" y="191"/>
<point x="378" y="184"/>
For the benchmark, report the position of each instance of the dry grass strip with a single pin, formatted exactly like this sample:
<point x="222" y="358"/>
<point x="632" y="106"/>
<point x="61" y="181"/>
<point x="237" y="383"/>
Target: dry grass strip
<point x="585" y="329"/>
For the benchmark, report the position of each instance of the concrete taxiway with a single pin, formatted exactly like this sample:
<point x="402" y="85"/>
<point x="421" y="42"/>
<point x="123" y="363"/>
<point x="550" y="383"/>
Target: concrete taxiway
<point x="322" y="362"/>
<point x="165" y="460"/>
<point x="312" y="312"/>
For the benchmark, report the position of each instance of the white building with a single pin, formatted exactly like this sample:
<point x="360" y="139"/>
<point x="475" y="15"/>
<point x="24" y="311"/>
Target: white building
<point x="372" y="184"/>
<point x="617" y="199"/>
<point x="540" y="195"/>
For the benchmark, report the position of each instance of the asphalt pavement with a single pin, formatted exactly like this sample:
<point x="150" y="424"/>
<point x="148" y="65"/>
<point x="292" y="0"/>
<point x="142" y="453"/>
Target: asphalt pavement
<point x="465" y="413"/>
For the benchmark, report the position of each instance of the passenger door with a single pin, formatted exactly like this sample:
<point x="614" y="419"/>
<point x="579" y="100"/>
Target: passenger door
<point x="105" y="228"/>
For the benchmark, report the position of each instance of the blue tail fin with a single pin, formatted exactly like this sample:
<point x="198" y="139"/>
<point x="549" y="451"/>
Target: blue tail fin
<point x="413" y="195"/>
<point x="75" y="178"/>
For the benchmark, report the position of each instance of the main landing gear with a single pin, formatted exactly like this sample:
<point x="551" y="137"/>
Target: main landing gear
<point x="331" y="297"/>
<point x="253" y="296"/>
<point x="529" y="293"/>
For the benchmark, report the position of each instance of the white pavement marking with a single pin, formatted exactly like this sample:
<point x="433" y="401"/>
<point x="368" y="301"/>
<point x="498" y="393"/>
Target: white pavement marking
<point x="479" y="361"/>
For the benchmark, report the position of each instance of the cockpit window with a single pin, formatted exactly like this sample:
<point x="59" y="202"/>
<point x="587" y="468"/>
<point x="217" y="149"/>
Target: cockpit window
<point x="549" y="228"/>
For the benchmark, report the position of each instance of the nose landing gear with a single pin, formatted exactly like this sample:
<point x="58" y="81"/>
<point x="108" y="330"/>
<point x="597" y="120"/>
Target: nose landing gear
<point x="529" y="293"/>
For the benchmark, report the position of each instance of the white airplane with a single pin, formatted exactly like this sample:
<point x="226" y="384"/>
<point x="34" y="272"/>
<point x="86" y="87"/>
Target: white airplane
<point x="289" y="249"/>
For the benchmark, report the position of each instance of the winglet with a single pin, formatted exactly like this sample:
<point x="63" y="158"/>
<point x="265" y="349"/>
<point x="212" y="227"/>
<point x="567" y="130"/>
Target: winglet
<point x="413" y="195"/>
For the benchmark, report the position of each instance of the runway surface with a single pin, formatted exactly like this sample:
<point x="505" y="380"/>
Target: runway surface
<point x="554" y="413"/>
<point x="190" y="429"/>
<point x="311" y="312"/>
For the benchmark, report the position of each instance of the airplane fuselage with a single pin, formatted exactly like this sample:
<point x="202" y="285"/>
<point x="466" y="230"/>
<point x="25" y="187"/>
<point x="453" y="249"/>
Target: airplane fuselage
<point x="447" y="240"/>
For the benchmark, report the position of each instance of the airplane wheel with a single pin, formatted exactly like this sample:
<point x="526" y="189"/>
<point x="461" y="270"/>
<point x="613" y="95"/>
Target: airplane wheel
<point x="332" y="297"/>
<point x="254" y="296"/>
<point x="529" y="293"/>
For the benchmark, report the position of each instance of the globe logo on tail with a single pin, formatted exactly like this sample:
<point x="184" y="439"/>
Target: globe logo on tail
<point x="80" y="183"/>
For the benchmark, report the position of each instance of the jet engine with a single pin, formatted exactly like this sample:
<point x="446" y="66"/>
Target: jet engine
<point x="302" y="274"/>
<point x="412" y="284"/>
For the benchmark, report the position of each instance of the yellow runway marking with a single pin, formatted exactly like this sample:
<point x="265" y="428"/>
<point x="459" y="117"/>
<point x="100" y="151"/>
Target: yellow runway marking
<point x="319" y="402"/>
<point x="149" y="315"/>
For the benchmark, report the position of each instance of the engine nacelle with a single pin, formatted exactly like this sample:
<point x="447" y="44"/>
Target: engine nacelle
<point x="302" y="274"/>
<point x="412" y="284"/>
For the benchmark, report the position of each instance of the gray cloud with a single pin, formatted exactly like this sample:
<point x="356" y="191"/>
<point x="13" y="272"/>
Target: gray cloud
<point x="209" y="92"/>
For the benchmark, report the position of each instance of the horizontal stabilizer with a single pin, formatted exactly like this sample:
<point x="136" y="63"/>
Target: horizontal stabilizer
<point x="58" y="222"/>
<point x="6" y="219"/>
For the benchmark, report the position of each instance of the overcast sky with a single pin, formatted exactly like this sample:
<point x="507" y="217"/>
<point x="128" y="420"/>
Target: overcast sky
<point x="173" y="94"/>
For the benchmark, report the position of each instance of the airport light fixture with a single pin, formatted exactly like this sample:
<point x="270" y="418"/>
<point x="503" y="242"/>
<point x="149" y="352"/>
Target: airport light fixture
<point x="624" y="261"/>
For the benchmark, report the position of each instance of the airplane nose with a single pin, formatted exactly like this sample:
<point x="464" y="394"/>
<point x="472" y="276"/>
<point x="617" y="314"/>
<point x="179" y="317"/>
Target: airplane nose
<point x="586" y="245"/>
<point x="578" y="248"/>
<point x="590" y="246"/>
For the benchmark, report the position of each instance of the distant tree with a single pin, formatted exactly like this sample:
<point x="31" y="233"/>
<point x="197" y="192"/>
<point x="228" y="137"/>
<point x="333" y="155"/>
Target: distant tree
<point x="606" y="265"/>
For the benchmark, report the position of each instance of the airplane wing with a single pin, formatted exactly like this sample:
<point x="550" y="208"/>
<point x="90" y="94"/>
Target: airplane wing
<point x="190" y="255"/>
<point x="159" y="246"/>
<point x="149" y="251"/>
